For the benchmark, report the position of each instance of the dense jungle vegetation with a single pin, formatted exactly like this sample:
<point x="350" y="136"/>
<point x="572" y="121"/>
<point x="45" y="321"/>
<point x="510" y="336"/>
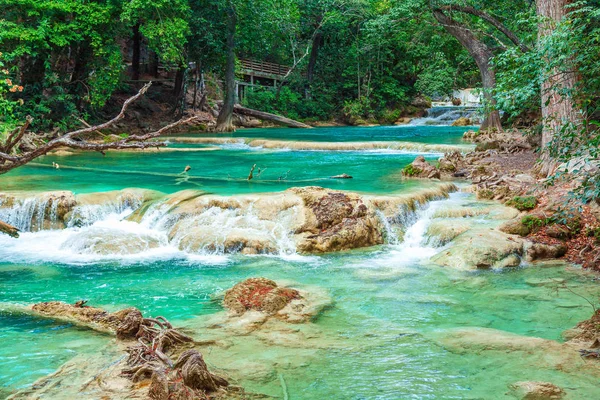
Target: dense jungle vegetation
<point x="354" y="60"/>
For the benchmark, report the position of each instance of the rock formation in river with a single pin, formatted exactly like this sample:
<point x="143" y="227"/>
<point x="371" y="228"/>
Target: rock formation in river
<point x="259" y="294"/>
<point x="151" y="344"/>
<point x="335" y="221"/>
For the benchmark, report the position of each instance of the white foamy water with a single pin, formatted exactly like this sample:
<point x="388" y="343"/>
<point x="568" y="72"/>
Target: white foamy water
<point x="116" y="231"/>
<point x="97" y="233"/>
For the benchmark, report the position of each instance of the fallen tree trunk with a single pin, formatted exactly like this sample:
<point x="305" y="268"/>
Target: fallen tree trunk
<point x="9" y="229"/>
<point x="269" y="117"/>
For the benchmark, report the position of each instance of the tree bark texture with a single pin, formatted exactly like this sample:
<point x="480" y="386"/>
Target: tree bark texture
<point x="224" y="120"/>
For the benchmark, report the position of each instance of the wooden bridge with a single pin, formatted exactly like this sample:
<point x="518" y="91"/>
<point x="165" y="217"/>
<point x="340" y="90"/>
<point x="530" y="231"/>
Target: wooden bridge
<point x="260" y="73"/>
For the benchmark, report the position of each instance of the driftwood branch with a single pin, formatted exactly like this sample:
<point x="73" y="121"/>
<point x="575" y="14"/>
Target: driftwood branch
<point x="9" y="229"/>
<point x="71" y="140"/>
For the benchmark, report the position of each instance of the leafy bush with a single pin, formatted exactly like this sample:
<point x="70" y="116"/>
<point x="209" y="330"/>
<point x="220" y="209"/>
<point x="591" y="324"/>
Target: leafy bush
<point x="534" y="223"/>
<point x="411" y="170"/>
<point x="523" y="203"/>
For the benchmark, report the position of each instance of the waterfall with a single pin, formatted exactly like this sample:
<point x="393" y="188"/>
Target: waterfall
<point x="446" y="115"/>
<point x="30" y="214"/>
<point x="122" y="226"/>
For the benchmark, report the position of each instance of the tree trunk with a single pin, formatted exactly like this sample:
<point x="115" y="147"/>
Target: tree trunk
<point x="314" y="53"/>
<point x="224" y="120"/>
<point x="270" y="117"/>
<point x="153" y="63"/>
<point x="135" y="57"/>
<point x="482" y="56"/>
<point x="557" y="110"/>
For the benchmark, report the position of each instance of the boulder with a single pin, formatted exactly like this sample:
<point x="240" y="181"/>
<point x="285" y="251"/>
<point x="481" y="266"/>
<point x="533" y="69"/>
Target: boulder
<point x="402" y="121"/>
<point x="529" y="390"/>
<point x="541" y="251"/>
<point x="334" y="221"/>
<point x="258" y="294"/>
<point x="421" y="101"/>
<point x="462" y="121"/>
<point x="558" y="232"/>
<point x="481" y="249"/>
<point x="515" y="227"/>
<point x="444" y="231"/>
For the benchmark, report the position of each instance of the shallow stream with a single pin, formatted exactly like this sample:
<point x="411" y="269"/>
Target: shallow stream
<point x="397" y="326"/>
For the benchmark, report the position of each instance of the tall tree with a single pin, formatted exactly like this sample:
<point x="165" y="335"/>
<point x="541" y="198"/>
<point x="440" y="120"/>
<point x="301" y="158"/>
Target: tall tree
<point x="558" y="107"/>
<point x="479" y="50"/>
<point x="224" y="120"/>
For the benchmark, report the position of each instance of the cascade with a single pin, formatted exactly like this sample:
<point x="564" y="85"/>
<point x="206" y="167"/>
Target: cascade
<point x="446" y="115"/>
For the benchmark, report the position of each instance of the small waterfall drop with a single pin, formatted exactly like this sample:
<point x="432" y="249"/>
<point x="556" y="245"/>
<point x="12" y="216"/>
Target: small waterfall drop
<point x="446" y="115"/>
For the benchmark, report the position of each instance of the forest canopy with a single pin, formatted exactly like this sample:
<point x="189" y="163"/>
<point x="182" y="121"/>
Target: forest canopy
<point x="358" y="61"/>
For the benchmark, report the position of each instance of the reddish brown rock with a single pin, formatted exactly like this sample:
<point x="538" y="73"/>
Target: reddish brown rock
<point x="259" y="294"/>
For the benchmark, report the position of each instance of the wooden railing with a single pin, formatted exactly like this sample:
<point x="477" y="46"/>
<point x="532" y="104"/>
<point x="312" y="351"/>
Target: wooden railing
<point x="264" y="67"/>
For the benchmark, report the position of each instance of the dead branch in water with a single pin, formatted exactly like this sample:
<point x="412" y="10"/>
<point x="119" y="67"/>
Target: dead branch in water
<point x="251" y="174"/>
<point x="11" y="158"/>
<point x="9" y="229"/>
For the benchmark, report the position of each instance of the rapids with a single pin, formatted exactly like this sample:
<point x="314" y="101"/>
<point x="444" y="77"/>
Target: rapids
<point x="396" y="325"/>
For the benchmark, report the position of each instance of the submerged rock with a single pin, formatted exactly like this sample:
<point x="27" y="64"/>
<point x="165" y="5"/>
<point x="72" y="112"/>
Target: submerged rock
<point x="537" y="391"/>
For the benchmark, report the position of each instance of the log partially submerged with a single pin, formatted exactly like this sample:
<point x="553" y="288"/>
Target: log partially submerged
<point x="9" y="229"/>
<point x="269" y="117"/>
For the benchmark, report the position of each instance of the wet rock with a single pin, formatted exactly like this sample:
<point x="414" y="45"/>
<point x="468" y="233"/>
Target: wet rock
<point x="206" y="238"/>
<point x="402" y="121"/>
<point x="515" y="227"/>
<point x="335" y="221"/>
<point x="462" y="121"/>
<point x="105" y="241"/>
<point x="481" y="249"/>
<point x="258" y="294"/>
<point x="122" y="322"/>
<point x="342" y="176"/>
<point x="541" y="251"/>
<point x="421" y="102"/>
<point x="443" y="232"/>
<point x="529" y="390"/>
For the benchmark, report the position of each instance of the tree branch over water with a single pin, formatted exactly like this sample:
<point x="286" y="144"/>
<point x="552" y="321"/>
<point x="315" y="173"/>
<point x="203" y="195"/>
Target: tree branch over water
<point x="11" y="158"/>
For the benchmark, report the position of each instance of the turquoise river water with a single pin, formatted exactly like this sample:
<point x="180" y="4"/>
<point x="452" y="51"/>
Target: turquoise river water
<point x="397" y="327"/>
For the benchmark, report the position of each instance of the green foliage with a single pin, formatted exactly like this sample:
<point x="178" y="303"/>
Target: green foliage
<point x="534" y="223"/>
<point x="411" y="170"/>
<point x="523" y="203"/>
<point x="485" y="194"/>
